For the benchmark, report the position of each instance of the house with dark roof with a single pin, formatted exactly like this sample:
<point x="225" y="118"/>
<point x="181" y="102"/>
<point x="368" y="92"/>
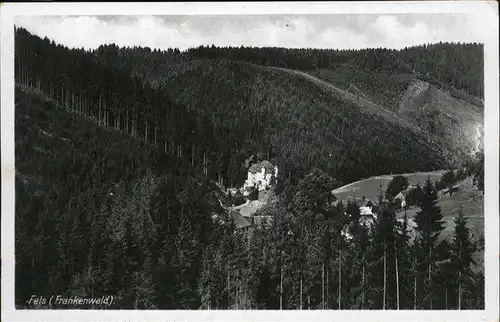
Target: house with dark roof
<point x="365" y="205"/>
<point x="400" y="198"/>
<point x="366" y="210"/>
<point x="239" y="221"/>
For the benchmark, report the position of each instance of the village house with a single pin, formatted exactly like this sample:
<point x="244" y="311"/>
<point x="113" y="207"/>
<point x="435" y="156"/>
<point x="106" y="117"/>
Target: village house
<point x="240" y="222"/>
<point x="260" y="176"/>
<point x="367" y="216"/>
<point x="365" y="207"/>
<point x="401" y="199"/>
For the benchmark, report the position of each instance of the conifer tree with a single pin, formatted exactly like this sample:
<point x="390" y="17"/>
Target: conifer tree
<point x="429" y="225"/>
<point x="403" y="263"/>
<point x="462" y="262"/>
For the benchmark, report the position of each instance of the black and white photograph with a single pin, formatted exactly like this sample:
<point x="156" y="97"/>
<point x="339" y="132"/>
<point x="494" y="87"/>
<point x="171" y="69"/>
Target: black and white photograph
<point x="260" y="161"/>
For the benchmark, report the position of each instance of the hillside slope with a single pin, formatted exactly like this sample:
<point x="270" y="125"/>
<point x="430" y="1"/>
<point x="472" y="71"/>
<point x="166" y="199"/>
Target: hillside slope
<point x="452" y="118"/>
<point x="245" y="101"/>
<point x="455" y="122"/>
<point x="309" y="121"/>
<point x="90" y="199"/>
<point x="447" y="65"/>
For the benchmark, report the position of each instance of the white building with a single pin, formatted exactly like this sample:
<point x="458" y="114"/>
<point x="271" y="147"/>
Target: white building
<point x="260" y="176"/>
<point x="401" y="196"/>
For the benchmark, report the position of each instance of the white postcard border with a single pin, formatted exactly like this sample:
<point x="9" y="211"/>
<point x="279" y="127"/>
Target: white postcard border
<point x="489" y="12"/>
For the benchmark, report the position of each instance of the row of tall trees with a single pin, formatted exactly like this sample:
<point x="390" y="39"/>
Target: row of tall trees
<point x="100" y="213"/>
<point x="114" y="99"/>
<point x="390" y="266"/>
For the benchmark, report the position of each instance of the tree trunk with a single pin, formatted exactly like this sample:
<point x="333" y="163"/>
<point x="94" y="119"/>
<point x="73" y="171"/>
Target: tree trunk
<point x="430" y="280"/>
<point x="245" y="296"/>
<point x="340" y="279"/>
<point x="385" y="276"/>
<point x="192" y="155"/>
<point x="327" y="284"/>
<point x="237" y="293"/>
<point x="415" y="284"/>
<point x="459" y="290"/>
<point x="301" y="278"/>
<point x="106" y="120"/>
<point x="126" y="119"/>
<point x="33" y="273"/>
<point x="363" y="283"/>
<point x="205" y="164"/>
<point x="323" y="286"/>
<point x="228" y="289"/>
<point x="100" y="108"/>
<point x="446" y="298"/>
<point x="281" y="286"/>
<point x="397" y="281"/>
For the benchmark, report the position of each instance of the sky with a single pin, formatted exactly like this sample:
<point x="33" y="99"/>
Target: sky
<point x="337" y="31"/>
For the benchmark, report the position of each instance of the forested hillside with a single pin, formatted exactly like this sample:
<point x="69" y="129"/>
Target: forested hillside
<point x="453" y="118"/>
<point x="447" y="65"/>
<point x="306" y="125"/>
<point x="115" y="99"/>
<point x="255" y="109"/>
<point x="115" y="190"/>
<point x="99" y="212"/>
<point x="447" y="117"/>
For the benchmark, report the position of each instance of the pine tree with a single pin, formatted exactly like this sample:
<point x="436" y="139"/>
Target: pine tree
<point x="462" y="262"/>
<point x="403" y="263"/>
<point x="384" y="249"/>
<point x="429" y="225"/>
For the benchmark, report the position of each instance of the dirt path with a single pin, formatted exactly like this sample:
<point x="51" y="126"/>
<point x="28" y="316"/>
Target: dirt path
<point x="366" y="105"/>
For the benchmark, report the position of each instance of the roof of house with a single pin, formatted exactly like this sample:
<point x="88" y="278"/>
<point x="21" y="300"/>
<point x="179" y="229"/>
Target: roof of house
<point x="257" y="167"/>
<point x="364" y="203"/>
<point x="403" y="193"/>
<point x="249" y="208"/>
<point x="361" y="202"/>
<point x="400" y="195"/>
<point x="239" y="220"/>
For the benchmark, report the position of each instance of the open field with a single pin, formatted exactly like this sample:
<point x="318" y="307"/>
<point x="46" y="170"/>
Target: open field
<point x="369" y="188"/>
<point x="467" y="198"/>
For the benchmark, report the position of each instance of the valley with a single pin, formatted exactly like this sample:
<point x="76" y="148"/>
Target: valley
<point x="205" y="179"/>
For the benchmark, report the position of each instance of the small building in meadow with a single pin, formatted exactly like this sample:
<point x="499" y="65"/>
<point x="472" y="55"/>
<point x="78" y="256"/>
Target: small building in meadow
<point x="365" y="207"/>
<point x="367" y="215"/>
<point x="400" y="198"/>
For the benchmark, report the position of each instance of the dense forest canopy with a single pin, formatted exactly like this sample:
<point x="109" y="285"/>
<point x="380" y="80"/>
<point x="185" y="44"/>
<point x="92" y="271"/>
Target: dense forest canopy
<point x="457" y="65"/>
